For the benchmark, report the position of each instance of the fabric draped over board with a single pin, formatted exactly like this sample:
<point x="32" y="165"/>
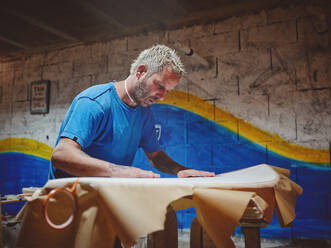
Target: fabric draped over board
<point x="133" y="207"/>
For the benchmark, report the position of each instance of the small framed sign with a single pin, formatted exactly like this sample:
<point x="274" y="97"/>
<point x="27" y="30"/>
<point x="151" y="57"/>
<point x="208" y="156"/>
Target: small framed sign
<point x="39" y="101"/>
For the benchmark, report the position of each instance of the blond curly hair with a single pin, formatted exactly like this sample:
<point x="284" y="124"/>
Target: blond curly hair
<point x="156" y="58"/>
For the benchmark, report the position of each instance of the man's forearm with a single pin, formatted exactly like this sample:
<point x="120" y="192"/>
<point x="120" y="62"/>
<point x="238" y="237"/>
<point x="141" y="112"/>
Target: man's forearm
<point x="78" y="163"/>
<point x="69" y="157"/>
<point x="164" y="163"/>
<point x="161" y="161"/>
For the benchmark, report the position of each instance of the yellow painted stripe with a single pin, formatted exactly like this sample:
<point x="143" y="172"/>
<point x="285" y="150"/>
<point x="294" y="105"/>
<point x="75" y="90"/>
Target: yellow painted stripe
<point x="273" y="141"/>
<point x="205" y="109"/>
<point x="27" y="146"/>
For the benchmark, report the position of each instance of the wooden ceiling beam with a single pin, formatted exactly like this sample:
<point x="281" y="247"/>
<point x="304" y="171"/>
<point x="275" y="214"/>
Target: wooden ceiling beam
<point x="42" y="25"/>
<point x="97" y="12"/>
<point x="14" y="43"/>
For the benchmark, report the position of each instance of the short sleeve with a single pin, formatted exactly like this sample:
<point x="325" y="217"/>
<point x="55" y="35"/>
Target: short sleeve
<point x="149" y="141"/>
<point x="82" y="121"/>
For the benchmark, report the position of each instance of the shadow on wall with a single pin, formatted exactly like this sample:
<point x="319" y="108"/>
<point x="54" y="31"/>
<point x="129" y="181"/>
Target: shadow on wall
<point x="199" y="143"/>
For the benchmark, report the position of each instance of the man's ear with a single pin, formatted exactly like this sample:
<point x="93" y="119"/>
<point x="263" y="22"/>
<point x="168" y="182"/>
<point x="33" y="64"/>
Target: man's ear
<point x="141" y="71"/>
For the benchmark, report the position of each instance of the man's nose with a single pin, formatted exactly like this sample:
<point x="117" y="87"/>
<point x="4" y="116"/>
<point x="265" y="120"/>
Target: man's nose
<point x="162" y="95"/>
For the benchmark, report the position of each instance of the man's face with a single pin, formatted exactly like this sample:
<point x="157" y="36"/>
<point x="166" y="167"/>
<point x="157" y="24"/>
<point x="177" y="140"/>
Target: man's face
<point x="153" y="89"/>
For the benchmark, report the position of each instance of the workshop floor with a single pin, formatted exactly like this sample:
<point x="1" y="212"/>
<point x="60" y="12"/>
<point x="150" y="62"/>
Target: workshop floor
<point x="10" y="234"/>
<point x="184" y="237"/>
<point x="268" y="243"/>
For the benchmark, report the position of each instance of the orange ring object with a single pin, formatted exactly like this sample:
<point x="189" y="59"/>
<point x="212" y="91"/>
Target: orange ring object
<point x="72" y="195"/>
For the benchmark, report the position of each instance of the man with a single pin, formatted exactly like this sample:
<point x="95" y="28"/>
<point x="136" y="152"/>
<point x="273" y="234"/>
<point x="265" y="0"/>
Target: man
<point x="107" y="123"/>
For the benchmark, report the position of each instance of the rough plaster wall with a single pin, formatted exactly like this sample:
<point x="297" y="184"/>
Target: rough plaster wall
<point x="270" y="68"/>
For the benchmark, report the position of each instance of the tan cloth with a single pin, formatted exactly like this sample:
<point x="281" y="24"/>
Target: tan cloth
<point x="130" y="208"/>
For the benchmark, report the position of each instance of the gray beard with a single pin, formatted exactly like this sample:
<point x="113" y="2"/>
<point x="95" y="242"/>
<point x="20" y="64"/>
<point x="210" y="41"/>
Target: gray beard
<point x="140" y="91"/>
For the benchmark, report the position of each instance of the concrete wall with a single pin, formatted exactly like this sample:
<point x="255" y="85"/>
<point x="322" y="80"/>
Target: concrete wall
<point x="270" y="68"/>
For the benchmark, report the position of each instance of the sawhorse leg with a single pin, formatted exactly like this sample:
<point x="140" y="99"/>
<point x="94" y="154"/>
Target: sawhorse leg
<point x="117" y="243"/>
<point x="252" y="237"/>
<point x="169" y="236"/>
<point x="200" y="239"/>
<point x="161" y="239"/>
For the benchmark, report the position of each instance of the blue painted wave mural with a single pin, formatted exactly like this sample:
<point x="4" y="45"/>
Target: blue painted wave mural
<point x="199" y="143"/>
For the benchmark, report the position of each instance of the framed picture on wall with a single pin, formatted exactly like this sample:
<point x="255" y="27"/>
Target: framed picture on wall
<point x="39" y="100"/>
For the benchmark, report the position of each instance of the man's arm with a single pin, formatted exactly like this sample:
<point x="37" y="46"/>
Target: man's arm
<point x="161" y="161"/>
<point x="68" y="156"/>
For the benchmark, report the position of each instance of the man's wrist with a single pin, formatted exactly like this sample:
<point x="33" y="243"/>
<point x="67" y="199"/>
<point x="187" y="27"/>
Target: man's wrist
<point x="110" y="167"/>
<point x="180" y="168"/>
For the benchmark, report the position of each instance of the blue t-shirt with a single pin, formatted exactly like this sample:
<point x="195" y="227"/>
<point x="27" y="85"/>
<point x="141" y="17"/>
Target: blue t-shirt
<point x="107" y="128"/>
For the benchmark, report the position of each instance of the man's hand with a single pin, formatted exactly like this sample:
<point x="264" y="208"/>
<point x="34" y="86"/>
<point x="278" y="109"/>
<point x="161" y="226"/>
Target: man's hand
<point x="195" y="173"/>
<point x="146" y="174"/>
<point x="128" y="171"/>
